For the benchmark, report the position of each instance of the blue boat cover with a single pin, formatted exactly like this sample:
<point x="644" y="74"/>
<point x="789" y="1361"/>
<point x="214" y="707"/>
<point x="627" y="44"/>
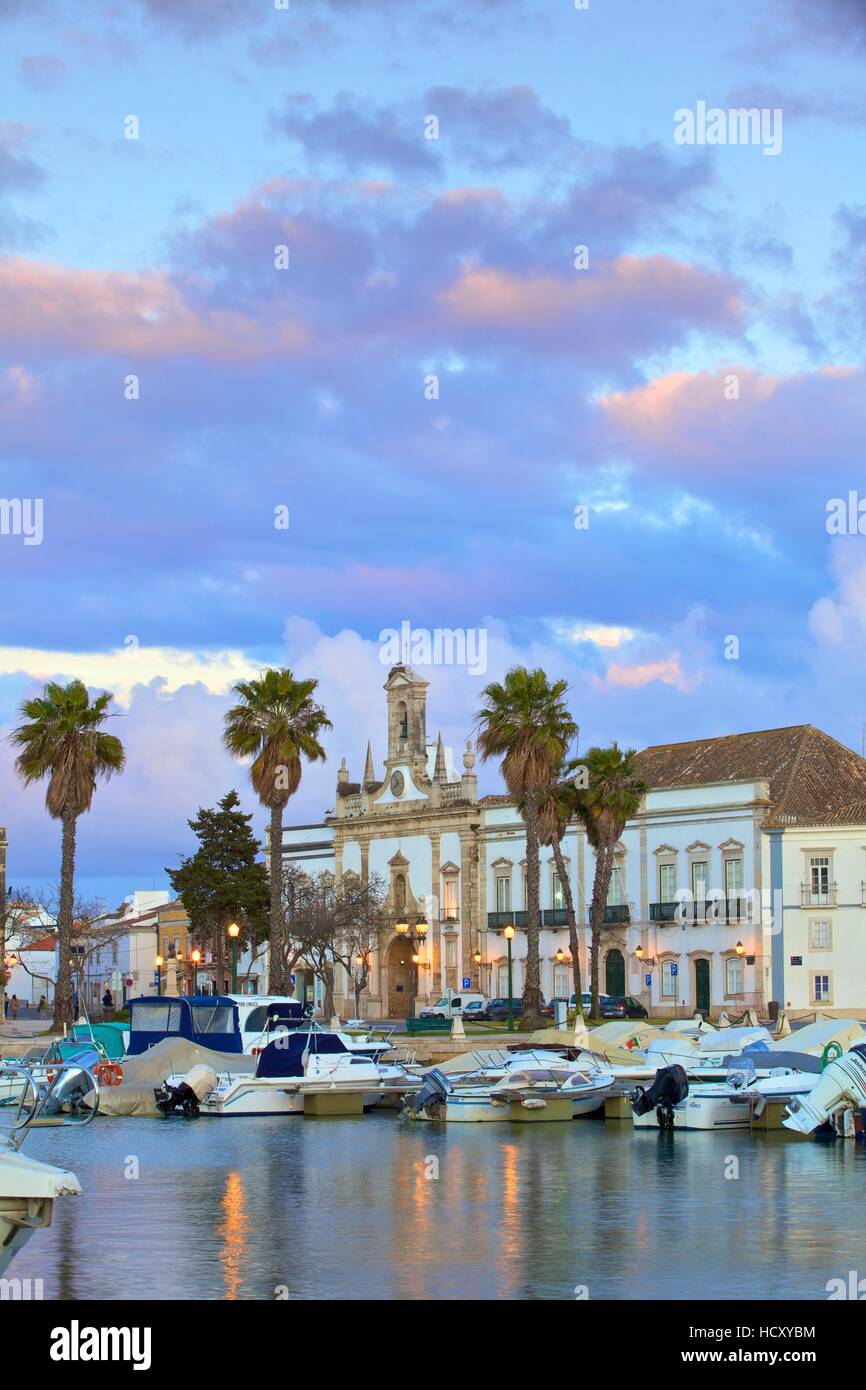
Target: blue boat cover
<point x="285" y="1055"/>
<point x="210" y="1020"/>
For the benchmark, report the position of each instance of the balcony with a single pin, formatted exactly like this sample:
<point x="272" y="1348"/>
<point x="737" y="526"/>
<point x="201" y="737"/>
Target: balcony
<point x="449" y="919"/>
<point x="617" y="915"/>
<point x="554" y="917"/>
<point x="497" y="920"/>
<point x="810" y="896"/>
<point x="663" y="912"/>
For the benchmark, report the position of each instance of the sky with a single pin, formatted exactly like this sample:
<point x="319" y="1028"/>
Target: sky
<point x="297" y="344"/>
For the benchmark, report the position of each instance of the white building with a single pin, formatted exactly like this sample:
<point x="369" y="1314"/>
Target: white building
<point x="740" y="880"/>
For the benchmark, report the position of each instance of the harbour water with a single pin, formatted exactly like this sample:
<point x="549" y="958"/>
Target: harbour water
<point x="378" y="1208"/>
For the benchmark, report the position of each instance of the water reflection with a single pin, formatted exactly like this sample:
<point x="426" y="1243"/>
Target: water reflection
<point x="380" y="1208"/>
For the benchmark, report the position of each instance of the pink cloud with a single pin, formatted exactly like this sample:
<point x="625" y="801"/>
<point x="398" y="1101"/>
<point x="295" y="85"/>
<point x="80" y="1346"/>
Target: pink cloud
<point x="669" y="672"/>
<point x="139" y="315"/>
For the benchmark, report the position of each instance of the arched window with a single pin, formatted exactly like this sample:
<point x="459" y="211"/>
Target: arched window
<point x="614" y="973"/>
<point x="403" y="720"/>
<point x="400" y="892"/>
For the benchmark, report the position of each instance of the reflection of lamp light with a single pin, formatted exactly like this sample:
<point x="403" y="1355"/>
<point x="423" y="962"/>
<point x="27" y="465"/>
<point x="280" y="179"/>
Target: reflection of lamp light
<point x="508" y="933"/>
<point x="740" y="949"/>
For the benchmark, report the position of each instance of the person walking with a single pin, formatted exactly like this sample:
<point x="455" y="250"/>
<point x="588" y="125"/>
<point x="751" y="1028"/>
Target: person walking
<point x="107" y="1001"/>
<point x="41" y="1008"/>
<point x="13" y="1007"/>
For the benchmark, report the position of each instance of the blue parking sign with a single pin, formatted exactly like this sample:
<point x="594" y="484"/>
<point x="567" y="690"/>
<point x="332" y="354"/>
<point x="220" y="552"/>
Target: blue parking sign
<point x="648" y="979"/>
<point x="467" y="983"/>
<point x="675" y="969"/>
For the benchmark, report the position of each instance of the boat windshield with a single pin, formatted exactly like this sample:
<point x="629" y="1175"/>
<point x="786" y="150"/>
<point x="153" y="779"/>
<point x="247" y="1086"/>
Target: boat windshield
<point x="212" y="1018"/>
<point x="156" y="1018"/>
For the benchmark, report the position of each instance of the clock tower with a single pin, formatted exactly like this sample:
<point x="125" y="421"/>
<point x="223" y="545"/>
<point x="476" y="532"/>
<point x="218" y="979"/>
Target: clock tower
<point x="407" y="722"/>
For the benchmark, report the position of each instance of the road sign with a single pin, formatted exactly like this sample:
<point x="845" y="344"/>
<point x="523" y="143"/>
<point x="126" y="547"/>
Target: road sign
<point x="675" y="969"/>
<point x="467" y="983"/>
<point x="129" y="982"/>
<point x="648" y="979"/>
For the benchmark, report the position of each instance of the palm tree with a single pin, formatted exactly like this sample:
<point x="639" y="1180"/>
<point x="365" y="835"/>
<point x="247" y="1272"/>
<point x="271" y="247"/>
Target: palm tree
<point x="558" y="807"/>
<point x="527" y="723"/>
<point x="276" y="722"/>
<point x="612" y="795"/>
<point x="65" y="742"/>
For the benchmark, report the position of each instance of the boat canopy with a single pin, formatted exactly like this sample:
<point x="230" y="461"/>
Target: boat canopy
<point x="111" y="1037"/>
<point x="210" y="1020"/>
<point x="285" y="1056"/>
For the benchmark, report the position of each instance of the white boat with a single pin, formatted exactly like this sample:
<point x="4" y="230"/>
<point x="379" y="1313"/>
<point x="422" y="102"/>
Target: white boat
<point x="289" y="1070"/>
<point x="750" y="1085"/>
<point x="839" y="1091"/>
<point x="264" y="1017"/>
<point x="29" y="1187"/>
<point x="559" y="1087"/>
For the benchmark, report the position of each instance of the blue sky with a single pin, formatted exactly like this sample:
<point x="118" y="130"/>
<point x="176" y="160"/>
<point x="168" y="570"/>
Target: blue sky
<point x="161" y="575"/>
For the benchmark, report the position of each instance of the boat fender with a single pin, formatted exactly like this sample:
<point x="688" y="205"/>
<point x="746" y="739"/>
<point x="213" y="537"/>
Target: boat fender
<point x="534" y="1103"/>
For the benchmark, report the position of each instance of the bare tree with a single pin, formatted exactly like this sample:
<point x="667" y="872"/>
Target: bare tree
<point x="332" y="924"/>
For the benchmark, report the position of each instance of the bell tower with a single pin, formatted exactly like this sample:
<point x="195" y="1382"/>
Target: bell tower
<point x="407" y="721"/>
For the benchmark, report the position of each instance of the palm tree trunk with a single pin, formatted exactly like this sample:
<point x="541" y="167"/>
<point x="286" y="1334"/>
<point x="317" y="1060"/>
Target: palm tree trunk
<point x="600" y="889"/>
<point x="532" y="984"/>
<point x="277" y="983"/>
<point x="63" y="996"/>
<point x="573" y="942"/>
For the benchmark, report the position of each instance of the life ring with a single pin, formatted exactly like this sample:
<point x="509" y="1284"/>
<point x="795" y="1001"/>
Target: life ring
<point x="830" y="1053"/>
<point x="108" y="1073"/>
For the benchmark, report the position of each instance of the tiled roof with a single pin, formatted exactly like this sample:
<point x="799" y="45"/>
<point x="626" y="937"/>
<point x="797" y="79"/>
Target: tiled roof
<point x="813" y="779"/>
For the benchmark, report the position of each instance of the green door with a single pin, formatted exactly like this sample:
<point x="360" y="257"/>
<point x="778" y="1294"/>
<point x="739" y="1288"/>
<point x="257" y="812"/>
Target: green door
<point x="614" y="973"/>
<point x="702" y="985"/>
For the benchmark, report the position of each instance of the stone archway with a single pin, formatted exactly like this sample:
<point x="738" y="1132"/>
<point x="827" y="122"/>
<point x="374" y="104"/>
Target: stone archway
<point x="614" y="973"/>
<point x="402" y="979"/>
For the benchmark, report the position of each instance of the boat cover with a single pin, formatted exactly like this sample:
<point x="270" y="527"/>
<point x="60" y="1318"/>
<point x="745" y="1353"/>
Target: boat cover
<point x="172" y="1056"/>
<point x="211" y="1020"/>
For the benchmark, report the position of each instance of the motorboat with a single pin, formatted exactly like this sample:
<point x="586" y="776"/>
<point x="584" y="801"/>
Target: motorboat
<point x="29" y="1187"/>
<point x="262" y="1017"/>
<point x="838" y="1093"/>
<point x="556" y="1090"/>
<point x="753" y="1082"/>
<point x="289" y="1071"/>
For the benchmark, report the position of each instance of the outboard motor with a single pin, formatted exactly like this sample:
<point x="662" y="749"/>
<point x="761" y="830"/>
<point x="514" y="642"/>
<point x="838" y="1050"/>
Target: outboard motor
<point x="71" y="1083"/>
<point x="184" y="1099"/>
<point x="842" y="1084"/>
<point x="669" y="1088"/>
<point x="432" y="1094"/>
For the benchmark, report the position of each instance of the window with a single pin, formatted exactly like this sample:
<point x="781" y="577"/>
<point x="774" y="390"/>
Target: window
<point x="820" y="935"/>
<point x="503" y="892"/>
<point x="669" y="979"/>
<point x="616" y="891"/>
<point x="821" y="989"/>
<point x="451" y="951"/>
<point x="216" y="1018"/>
<point x="819" y="868"/>
<point x="502" y="979"/>
<point x="667" y="883"/>
<point x="733" y="878"/>
<point x="700" y="880"/>
<point x="733" y="975"/>
<point x="560" y="981"/>
<point x="400" y="892"/>
<point x="557" y="894"/>
<point x="451" y="899"/>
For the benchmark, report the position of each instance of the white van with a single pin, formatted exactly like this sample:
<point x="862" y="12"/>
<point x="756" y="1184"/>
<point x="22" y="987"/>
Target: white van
<point x="458" y="1006"/>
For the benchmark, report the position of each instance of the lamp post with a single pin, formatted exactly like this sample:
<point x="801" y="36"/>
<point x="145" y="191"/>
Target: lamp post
<point x="195" y="957"/>
<point x="159" y="962"/>
<point x="509" y="934"/>
<point x="234" y="932"/>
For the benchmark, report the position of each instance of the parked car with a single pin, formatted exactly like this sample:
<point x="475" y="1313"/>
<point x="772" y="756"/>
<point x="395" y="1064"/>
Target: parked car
<point x="586" y="1002"/>
<point x="458" y="1006"/>
<point x="497" y="1009"/>
<point x="547" y="1011"/>
<point x="621" y="1006"/>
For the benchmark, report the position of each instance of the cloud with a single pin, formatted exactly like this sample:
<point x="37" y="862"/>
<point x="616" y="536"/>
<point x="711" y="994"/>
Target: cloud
<point x="492" y="128"/>
<point x="669" y="672"/>
<point x="121" y="670"/>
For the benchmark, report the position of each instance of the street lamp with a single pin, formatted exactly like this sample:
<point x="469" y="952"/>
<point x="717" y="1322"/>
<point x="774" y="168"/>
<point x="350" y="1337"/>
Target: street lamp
<point x="195" y="957"/>
<point x="159" y="963"/>
<point x="401" y="928"/>
<point x="509" y="934"/>
<point x="560" y="956"/>
<point x="740" y="949"/>
<point x="638" y="950"/>
<point x="234" y="933"/>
